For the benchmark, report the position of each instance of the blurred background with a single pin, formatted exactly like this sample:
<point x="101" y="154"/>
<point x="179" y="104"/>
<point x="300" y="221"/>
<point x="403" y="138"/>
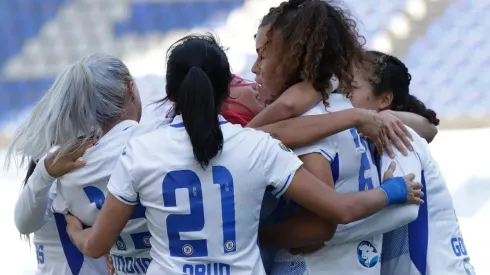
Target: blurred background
<point x="444" y="43"/>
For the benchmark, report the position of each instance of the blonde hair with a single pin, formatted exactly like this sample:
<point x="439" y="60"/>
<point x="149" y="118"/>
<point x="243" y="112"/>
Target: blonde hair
<point x="82" y="99"/>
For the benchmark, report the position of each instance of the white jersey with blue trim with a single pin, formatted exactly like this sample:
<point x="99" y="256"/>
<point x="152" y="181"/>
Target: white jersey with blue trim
<point x="56" y="255"/>
<point x="353" y="170"/>
<point x="433" y="243"/>
<point x="83" y="191"/>
<point x="203" y="221"/>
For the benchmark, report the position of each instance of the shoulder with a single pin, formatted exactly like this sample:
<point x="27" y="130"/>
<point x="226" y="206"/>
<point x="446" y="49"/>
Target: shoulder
<point x="318" y="109"/>
<point x="338" y="102"/>
<point x="420" y="145"/>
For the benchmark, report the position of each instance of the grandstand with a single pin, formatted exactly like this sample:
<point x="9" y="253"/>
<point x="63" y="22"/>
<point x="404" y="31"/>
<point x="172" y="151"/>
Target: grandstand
<point x="444" y="43"/>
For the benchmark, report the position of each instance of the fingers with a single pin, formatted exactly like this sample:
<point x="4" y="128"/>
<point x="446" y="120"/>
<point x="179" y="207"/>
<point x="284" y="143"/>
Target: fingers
<point x="418" y="193"/>
<point x="416" y="186"/>
<point x="403" y="129"/>
<point x="80" y="150"/>
<point x="75" y="165"/>
<point x="379" y="145"/>
<point x="410" y="177"/>
<point x="418" y="201"/>
<point x="389" y="172"/>
<point x="395" y="140"/>
<point x="387" y="146"/>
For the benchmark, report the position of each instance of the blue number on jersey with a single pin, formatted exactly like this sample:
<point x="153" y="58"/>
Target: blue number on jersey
<point x="96" y="196"/>
<point x="40" y="253"/>
<point x="364" y="183"/>
<point x="194" y="221"/>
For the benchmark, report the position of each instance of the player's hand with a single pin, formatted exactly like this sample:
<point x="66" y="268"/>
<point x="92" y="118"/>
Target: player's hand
<point x="73" y="223"/>
<point x="306" y="250"/>
<point x="384" y="129"/>
<point x="68" y="162"/>
<point x="397" y="134"/>
<point x="414" y="192"/>
<point x="110" y="264"/>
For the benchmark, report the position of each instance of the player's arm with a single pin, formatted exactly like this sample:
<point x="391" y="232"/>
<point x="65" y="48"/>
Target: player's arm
<point x="33" y="200"/>
<point x="391" y="217"/>
<point x="418" y="123"/>
<point x="304" y="228"/>
<point x="296" y="100"/>
<point x="96" y="241"/>
<point x="285" y="172"/>
<point x="121" y="199"/>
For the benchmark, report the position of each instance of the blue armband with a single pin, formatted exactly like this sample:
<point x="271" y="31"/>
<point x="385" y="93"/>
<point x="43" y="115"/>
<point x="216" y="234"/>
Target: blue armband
<point x="395" y="190"/>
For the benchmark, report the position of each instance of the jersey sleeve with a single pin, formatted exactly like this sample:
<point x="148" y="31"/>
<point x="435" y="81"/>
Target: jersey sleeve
<point x="326" y="147"/>
<point x="391" y="217"/>
<point x="279" y="165"/>
<point x="122" y="181"/>
<point x="30" y="208"/>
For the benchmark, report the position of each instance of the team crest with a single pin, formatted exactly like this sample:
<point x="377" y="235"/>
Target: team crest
<point x="120" y="244"/>
<point x="367" y="254"/>
<point x="188" y="249"/>
<point x="229" y="246"/>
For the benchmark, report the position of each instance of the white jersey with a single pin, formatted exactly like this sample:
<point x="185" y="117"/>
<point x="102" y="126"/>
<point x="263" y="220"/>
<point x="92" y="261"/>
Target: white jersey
<point x="203" y="221"/>
<point x="433" y="243"/>
<point x="83" y="191"/>
<point x="353" y="170"/>
<point x="55" y="253"/>
<point x="152" y="90"/>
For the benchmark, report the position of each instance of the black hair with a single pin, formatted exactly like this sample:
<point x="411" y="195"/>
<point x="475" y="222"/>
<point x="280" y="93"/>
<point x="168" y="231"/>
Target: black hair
<point x="391" y="75"/>
<point x="198" y="80"/>
<point x="320" y="40"/>
<point x="30" y="170"/>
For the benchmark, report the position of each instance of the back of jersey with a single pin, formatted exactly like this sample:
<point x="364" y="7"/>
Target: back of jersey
<point x="83" y="191"/>
<point x="203" y="221"/>
<point x="55" y="253"/>
<point x="434" y="244"/>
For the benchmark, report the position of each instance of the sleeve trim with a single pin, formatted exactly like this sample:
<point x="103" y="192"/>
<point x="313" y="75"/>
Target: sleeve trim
<point x="126" y="201"/>
<point x="326" y="155"/>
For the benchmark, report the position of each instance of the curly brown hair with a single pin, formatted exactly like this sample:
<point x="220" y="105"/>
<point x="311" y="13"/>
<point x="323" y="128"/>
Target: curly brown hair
<point x="320" y="40"/>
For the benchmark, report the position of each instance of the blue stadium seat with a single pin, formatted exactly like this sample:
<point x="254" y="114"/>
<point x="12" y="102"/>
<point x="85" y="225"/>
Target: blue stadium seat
<point x="21" y="20"/>
<point x="450" y="60"/>
<point x="165" y="16"/>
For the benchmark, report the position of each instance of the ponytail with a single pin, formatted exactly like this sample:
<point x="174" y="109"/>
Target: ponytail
<point x="197" y="103"/>
<point x="82" y="98"/>
<point x="412" y="105"/>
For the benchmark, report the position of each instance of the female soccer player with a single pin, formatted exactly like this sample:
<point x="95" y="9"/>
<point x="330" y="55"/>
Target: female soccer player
<point x="312" y="41"/>
<point x="202" y="179"/>
<point x="94" y="97"/>
<point x="55" y="253"/>
<point x="433" y="243"/>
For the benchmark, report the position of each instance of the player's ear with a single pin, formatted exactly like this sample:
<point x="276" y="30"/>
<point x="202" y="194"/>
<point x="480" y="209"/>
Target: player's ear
<point x="131" y="91"/>
<point x="386" y="100"/>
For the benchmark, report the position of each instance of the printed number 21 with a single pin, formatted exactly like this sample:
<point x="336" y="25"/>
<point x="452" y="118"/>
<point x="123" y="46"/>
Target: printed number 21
<point x="364" y="183"/>
<point x="194" y="221"/>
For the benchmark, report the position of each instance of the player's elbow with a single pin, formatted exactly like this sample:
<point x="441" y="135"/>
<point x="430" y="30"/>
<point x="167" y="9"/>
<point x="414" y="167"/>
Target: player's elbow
<point x="288" y="107"/>
<point x="26" y="226"/>
<point x="329" y="229"/>
<point x="346" y="213"/>
<point x="430" y="133"/>
<point x="94" y="249"/>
